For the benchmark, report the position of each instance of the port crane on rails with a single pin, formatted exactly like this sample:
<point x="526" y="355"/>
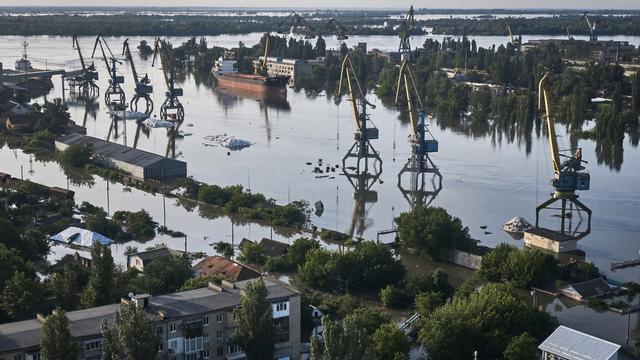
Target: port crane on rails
<point x="114" y="95"/>
<point x="297" y="26"/>
<point x="143" y="89"/>
<point x="337" y="29"/>
<point x="368" y="166"/>
<point x="85" y="80"/>
<point x="171" y="108"/>
<point x="514" y="41"/>
<point x="262" y="67"/>
<point x="422" y="144"/>
<point x="593" y="34"/>
<point x="568" y="174"/>
<point x="404" y="32"/>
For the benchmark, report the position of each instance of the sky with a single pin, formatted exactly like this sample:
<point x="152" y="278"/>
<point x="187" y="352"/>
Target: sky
<point x="466" y="4"/>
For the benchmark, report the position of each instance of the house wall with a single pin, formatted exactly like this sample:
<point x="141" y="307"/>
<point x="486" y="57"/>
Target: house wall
<point x="549" y="244"/>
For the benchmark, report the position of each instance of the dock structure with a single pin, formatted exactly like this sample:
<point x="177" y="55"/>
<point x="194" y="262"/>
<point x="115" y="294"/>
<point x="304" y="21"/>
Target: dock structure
<point x="550" y="240"/>
<point x="625" y="264"/>
<point x="140" y="164"/>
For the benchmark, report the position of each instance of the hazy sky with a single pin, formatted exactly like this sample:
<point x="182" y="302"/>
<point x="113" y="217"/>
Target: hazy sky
<point x="566" y="4"/>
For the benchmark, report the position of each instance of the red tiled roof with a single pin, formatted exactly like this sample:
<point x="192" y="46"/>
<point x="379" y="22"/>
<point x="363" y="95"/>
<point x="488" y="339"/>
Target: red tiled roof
<point x="231" y="270"/>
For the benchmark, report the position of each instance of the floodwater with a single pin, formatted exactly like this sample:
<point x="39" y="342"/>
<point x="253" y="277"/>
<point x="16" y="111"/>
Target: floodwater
<point x="488" y="177"/>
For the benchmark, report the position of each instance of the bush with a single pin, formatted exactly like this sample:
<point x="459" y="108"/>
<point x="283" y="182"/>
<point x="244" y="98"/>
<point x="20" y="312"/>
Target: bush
<point x="76" y="155"/>
<point x="393" y="297"/>
<point x="523" y="268"/>
<point x="252" y="253"/>
<point x="432" y="231"/>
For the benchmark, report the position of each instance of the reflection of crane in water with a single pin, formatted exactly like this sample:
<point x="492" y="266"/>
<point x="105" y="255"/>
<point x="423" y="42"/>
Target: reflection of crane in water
<point x="363" y="174"/>
<point x="171" y="108"/>
<point x="568" y="175"/>
<point x="419" y="164"/>
<point x="114" y="96"/>
<point x="142" y="89"/>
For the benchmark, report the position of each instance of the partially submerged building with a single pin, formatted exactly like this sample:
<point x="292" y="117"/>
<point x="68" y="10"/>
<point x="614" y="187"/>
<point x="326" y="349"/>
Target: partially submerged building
<point x="296" y="69"/>
<point x="140" y="259"/>
<point x="550" y="240"/>
<point x="78" y="237"/>
<point x="139" y="163"/>
<point x="587" y="290"/>
<point x="569" y="344"/>
<point x="194" y="324"/>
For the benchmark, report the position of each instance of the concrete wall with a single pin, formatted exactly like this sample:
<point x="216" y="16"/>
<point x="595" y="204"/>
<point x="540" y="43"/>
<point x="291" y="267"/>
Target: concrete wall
<point x="542" y="242"/>
<point x="467" y="260"/>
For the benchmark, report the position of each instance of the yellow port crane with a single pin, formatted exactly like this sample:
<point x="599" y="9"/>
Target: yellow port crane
<point x="514" y="41"/>
<point x="142" y="90"/>
<point x="171" y="109"/>
<point x="404" y="31"/>
<point x="593" y="34"/>
<point x="298" y="26"/>
<point x="568" y="174"/>
<point x="114" y="96"/>
<point x="368" y="165"/>
<point x="420" y="163"/>
<point x="262" y="68"/>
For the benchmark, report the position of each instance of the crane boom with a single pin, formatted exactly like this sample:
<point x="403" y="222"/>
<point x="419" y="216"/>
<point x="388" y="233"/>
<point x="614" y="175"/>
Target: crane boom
<point x="104" y="55"/>
<point x="406" y="77"/>
<point x="76" y="45"/>
<point x="156" y="51"/>
<point x="262" y="68"/>
<point x="510" y="33"/>
<point x="543" y="99"/>
<point x="127" y="52"/>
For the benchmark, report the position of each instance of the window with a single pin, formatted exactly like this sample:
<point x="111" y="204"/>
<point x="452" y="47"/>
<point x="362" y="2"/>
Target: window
<point x="17" y="357"/>
<point x="159" y="330"/>
<point x="192" y="345"/>
<point x="93" y="345"/>
<point x="281" y="306"/>
<point x="205" y="354"/>
<point x="172" y="327"/>
<point x="206" y="338"/>
<point x="218" y="334"/>
<point x="218" y="318"/>
<point x="234" y="348"/>
<point x="160" y="347"/>
<point x="173" y="344"/>
<point x="219" y="351"/>
<point x="205" y="321"/>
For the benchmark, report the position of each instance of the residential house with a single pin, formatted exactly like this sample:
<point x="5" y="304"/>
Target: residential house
<point x="194" y="324"/>
<point x="587" y="290"/>
<point x="229" y="269"/>
<point x="569" y="344"/>
<point x="140" y="259"/>
<point x="273" y="248"/>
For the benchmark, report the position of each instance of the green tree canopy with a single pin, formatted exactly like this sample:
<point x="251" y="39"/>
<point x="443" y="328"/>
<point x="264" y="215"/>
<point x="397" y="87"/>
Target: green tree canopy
<point x="132" y="335"/>
<point x="523" y="268"/>
<point x="99" y="290"/>
<point x="20" y="296"/>
<point x="340" y="342"/>
<point x="256" y="332"/>
<point x="433" y="231"/>
<point x="252" y="253"/>
<point x="522" y="347"/>
<point x="56" y="342"/>
<point x="389" y="342"/>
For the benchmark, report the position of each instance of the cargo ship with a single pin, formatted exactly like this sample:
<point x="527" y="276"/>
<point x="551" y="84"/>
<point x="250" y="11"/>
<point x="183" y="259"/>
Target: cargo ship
<point x="225" y="70"/>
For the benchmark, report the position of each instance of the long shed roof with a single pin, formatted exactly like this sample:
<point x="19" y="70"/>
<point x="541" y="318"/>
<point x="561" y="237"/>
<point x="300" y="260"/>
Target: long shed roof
<point x="575" y="345"/>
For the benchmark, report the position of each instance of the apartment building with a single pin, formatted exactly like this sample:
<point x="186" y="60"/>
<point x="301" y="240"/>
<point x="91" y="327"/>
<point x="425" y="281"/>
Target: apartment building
<point x="195" y="324"/>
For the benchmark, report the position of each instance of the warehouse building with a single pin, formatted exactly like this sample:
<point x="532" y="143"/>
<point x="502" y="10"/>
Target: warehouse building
<point x="296" y="69"/>
<point x="139" y="163"/>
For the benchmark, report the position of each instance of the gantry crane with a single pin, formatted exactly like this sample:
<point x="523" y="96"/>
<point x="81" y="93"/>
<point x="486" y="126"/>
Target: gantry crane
<point x="568" y="174"/>
<point x="593" y="35"/>
<point x="114" y="96"/>
<point x="171" y="108"/>
<point x="337" y="29"/>
<point x="404" y="32"/>
<point x="299" y="26"/>
<point x="422" y="144"/>
<point x="142" y="90"/>
<point x="89" y="75"/>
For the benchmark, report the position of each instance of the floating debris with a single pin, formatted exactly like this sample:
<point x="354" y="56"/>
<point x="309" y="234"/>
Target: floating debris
<point x="483" y="227"/>
<point x="158" y="123"/>
<point x="227" y="141"/>
<point x="517" y="225"/>
<point x="128" y="115"/>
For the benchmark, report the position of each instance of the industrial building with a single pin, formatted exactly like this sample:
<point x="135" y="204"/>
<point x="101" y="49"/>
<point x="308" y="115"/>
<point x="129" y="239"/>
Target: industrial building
<point x="550" y="240"/>
<point x="566" y="343"/>
<point x="194" y="324"/>
<point x="600" y="50"/>
<point x="139" y="163"/>
<point x="296" y="69"/>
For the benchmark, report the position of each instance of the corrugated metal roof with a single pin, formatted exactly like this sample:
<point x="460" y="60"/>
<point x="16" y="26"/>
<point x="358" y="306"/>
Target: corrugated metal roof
<point x="231" y="270"/>
<point x="82" y="237"/>
<point x="116" y="151"/>
<point x="575" y="345"/>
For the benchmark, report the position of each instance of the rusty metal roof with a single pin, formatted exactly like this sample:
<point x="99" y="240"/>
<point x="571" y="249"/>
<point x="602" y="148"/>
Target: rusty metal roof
<point x="231" y="270"/>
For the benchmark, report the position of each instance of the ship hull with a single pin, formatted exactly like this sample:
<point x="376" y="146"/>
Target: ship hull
<point x="253" y="83"/>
